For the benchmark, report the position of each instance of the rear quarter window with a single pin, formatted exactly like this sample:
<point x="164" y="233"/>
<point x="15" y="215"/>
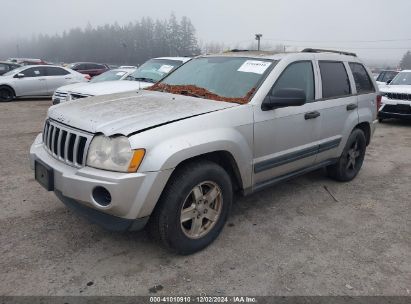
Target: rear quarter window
<point x="334" y="77"/>
<point x="362" y="80"/>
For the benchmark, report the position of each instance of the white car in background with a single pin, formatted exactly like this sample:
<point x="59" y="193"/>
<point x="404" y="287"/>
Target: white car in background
<point x="36" y="81"/>
<point x="396" y="98"/>
<point x="146" y="75"/>
<point x="111" y="75"/>
<point x="385" y="77"/>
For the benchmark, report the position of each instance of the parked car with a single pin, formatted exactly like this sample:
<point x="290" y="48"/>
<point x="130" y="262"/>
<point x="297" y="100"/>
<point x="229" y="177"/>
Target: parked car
<point x="396" y="98"/>
<point x="6" y="66"/>
<point x="61" y="93"/>
<point x="171" y="156"/>
<point x="27" y="61"/>
<point x="39" y="80"/>
<point x="385" y="77"/>
<point x="89" y="68"/>
<point x="146" y="75"/>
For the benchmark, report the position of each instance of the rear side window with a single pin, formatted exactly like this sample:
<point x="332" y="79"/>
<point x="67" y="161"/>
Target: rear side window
<point x="362" y="80"/>
<point x="54" y="71"/>
<point x="3" y="67"/>
<point x="298" y="75"/>
<point x="334" y="79"/>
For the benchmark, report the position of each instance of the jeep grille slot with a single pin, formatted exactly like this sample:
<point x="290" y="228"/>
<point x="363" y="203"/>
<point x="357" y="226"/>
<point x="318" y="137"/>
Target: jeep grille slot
<point x="66" y="144"/>
<point x="399" y="96"/>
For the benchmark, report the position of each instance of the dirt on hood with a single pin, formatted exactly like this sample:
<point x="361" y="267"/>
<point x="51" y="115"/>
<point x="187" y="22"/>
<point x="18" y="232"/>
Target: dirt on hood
<point x="194" y="91"/>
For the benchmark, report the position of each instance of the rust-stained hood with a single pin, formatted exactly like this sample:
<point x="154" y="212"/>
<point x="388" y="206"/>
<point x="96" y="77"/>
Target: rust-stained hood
<point x="126" y="113"/>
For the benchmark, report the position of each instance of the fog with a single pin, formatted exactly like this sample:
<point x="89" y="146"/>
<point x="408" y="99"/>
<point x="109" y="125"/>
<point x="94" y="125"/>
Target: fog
<point x="377" y="30"/>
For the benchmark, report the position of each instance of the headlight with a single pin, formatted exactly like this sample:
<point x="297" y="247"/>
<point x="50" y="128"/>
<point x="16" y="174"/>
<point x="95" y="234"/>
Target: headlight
<point x="114" y="154"/>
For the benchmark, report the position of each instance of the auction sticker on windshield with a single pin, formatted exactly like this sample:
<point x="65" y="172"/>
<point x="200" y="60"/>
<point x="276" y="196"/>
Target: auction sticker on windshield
<point x="165" y="68"/>
<point x="254" y="66"/>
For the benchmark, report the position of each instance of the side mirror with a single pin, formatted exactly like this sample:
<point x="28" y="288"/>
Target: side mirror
<point x="284" y="98"/>
<point x="389" y="81"/>
<point x="19" y="75"/>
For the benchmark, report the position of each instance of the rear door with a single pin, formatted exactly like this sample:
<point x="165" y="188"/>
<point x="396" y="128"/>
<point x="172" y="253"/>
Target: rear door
<point x="56" y="77"/>
<point x="32" y="84"/>
<point x="339" y="108"/>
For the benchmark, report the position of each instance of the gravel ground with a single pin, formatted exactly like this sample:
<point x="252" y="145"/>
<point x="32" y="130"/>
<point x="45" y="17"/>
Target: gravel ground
<point x="308" y="236"/>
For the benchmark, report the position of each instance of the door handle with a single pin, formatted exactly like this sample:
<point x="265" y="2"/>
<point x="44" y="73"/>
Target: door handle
<point x="68" y="78"/>
<point x="42" y="79"/>
<point x="311" y="115"/>
<point x="351" y="106"/>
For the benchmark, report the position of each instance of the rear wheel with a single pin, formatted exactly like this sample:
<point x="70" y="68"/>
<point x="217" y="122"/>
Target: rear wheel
<point x="352" y="158"/>
<point x="6" y="94"/>
<point x="193" y="207"/>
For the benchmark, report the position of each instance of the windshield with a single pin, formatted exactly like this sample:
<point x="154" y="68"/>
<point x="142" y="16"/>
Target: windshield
<point x="403" y="78"/>
<point x="230" y="79"/>
<point x="109" y="75"/>
<point x="15" y="71"/>
<point x="154" y="69"/>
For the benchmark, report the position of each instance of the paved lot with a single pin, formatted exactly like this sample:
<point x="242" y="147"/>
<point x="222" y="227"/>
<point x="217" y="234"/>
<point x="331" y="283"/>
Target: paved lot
<point x="309" y="236"/>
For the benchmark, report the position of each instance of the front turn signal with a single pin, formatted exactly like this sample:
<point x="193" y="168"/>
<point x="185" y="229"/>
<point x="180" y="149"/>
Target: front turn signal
<point x="136" y="160"/>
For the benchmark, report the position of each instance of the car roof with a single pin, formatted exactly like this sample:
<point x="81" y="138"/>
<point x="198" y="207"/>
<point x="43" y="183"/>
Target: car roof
<point x="272" y="55"/>
<point x="42" y="66"/>
<point x="86" y="62"/>
<point x="183" y="59"/>
<point x="407" y="71"/>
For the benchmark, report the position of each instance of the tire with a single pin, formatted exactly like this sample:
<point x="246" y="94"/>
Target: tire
<point x="380" y="120"/>
<point x="6" y="94"/>
<point x="351" y="159"/>
<point x="184" y="194"/>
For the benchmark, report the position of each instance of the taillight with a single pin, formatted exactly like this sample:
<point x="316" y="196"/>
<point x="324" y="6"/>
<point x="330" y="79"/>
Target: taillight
<point x="379" y="102"/>
<point x="87" y="76"/>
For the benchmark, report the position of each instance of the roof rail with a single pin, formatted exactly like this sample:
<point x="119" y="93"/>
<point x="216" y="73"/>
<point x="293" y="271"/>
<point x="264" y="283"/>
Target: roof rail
<point x="239" y="51"/>
<point x="309" y="50"/>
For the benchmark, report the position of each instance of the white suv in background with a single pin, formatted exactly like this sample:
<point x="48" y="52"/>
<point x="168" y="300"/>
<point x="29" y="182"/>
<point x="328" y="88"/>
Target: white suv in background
<point x="146" y="75"/>
<point x="396" y="97"/>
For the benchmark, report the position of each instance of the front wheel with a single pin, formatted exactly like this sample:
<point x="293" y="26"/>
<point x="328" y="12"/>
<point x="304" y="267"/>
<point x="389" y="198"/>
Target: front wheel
<point x="193" y="207"/>
<point x="352" y="158"/>
<point x="6" y="94"/>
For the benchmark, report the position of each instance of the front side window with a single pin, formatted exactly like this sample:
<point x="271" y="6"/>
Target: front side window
<point x="362" y="80"/>
<point x="154" y="70"/>
<point x="33" y="72"/>
<point x="403" y="78"/>
<point x="334" y="79"/>
<point x="298" y="75"/>
<point x="224" y="78"/>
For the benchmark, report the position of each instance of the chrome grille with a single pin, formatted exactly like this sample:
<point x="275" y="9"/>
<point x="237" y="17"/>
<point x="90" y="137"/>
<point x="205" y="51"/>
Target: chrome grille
<point x="399" y="96"/>
<point x="60" y="95"/>
<point x="66" y="144"/>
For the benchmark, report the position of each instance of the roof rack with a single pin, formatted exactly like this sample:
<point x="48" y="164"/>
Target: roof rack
<point x="239" y="51"/>
<point x="309" y="50"/>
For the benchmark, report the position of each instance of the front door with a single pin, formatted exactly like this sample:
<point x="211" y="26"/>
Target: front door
<point x="285" y="138"/>
<point x="32" y="84"/>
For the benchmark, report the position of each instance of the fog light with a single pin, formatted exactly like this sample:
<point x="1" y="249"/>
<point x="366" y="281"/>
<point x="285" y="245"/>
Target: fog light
<point x="101" y="196"/>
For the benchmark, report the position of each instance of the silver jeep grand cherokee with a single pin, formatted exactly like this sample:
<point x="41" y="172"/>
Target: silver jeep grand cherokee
<point x="171" y="156"/>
